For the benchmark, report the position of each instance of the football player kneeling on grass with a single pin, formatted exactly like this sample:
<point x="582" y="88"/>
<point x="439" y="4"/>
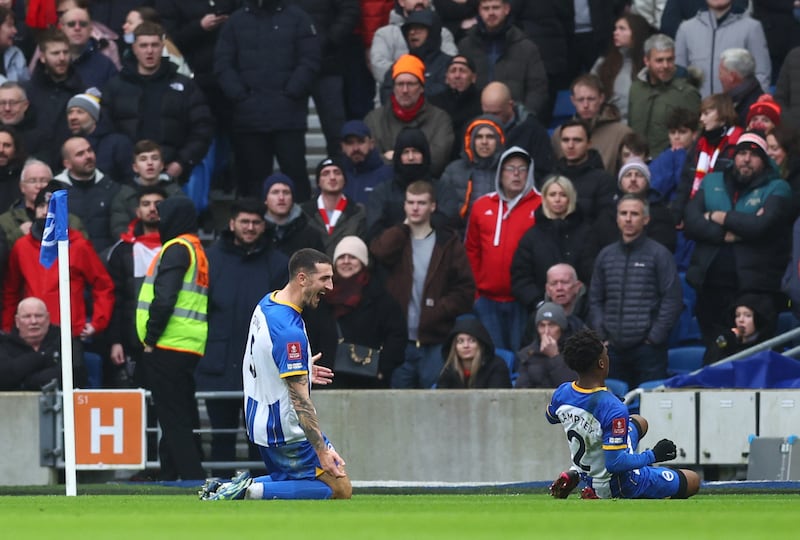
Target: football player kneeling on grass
<point x="603" y="438"/>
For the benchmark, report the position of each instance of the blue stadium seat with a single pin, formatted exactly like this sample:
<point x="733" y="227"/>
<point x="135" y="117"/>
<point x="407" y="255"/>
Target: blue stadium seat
<point x="686" y="331"/>
<point x="617" y="387"/>
<point x="685" y="359"/>
<point x="511" y="361"/>
<point x="563" y="109"/>
<point x="786" y="322"/>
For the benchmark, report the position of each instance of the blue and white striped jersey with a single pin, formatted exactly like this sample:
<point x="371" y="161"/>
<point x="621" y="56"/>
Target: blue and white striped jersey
<point x="277" y="347"/>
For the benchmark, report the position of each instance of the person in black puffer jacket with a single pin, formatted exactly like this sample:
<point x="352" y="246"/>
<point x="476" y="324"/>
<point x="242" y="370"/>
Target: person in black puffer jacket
<point x="266" y="60"/>
<point x="156" y="102"/>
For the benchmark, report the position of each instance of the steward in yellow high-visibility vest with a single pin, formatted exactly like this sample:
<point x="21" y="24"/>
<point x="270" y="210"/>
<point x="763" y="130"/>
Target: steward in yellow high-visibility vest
<point x="171" y="323"/>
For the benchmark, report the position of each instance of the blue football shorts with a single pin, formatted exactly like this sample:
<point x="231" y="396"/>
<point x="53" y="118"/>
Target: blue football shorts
<point x="295" y="461"/>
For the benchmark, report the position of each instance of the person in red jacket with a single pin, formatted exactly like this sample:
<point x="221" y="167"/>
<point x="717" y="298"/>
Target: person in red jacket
<point x="27" y="277"/>
<point x="497" y="222"/>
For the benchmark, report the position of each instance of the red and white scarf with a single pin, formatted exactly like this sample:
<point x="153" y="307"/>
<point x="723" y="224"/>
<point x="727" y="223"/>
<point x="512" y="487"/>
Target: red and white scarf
<point x="707" y="156"/>
<point x="330" y="222"/>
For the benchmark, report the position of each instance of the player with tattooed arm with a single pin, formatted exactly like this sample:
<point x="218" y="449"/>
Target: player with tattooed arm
<point x="277" y="372"/>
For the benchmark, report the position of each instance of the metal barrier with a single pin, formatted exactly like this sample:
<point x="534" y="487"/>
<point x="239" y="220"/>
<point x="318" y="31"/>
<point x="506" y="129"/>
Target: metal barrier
<point x="768" y="344"/>
<point x="51" y="431"/>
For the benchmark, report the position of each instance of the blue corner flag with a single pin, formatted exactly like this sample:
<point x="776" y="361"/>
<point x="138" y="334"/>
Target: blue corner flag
<point x="55" y="228"/>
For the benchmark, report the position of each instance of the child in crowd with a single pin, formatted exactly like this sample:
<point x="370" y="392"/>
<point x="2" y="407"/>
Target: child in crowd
<point x="665" y="169"/>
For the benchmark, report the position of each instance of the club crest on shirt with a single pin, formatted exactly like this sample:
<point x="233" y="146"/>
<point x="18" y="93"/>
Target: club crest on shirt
<point x="293" y="350"/>
<point x="618" y="426"/>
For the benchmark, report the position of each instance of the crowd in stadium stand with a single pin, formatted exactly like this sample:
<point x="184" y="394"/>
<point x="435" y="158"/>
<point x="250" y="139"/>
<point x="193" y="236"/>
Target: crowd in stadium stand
<point x="499" y="174"/>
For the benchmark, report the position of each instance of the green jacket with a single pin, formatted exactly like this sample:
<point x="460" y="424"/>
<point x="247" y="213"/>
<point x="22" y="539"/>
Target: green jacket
<point x="651" y="105"/>
<point x="11" y="221"/>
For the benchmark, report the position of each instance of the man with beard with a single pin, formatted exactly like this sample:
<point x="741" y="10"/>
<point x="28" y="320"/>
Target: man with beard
<point x="127" y="264"/>
<point x="11" y="160"/>
<point x="241" y="266"/>
<point x="361" y="162"/>
<point x="53" y="83"/>
<point x="112" y="150"/>
<point x="91" y="192"/>
<point x="277" y="373"/>
<point x="460" y="98"/>
<point x="740" y="219"/>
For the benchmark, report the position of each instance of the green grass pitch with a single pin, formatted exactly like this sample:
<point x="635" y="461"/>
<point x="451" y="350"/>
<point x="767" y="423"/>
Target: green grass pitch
<point x="415" y="517"/>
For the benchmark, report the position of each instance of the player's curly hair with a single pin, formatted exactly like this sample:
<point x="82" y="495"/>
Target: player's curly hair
<point x="582" y="350"/>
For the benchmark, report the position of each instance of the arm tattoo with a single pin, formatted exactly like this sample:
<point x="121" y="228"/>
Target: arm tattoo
<point x="306" y="414"/>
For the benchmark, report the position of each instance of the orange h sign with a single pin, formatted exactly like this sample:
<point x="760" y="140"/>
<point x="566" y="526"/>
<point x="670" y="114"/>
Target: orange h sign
<point x="110" y="429"/>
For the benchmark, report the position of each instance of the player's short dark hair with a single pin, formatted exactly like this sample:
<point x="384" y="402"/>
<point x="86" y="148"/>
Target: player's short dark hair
<point x="683" y="118"/>
<point x="247" y="206"/>
<point x="582" y="350"/>
<point x="147" y="28"/>
<point x="151" y="190"/>
<point x="577" y="122"/>
<point x="306" y="260"/>
<point x="146" y="145"/>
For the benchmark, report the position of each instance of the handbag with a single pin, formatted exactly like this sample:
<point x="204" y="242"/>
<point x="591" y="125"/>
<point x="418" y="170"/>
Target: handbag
<point x="352" y="359"/>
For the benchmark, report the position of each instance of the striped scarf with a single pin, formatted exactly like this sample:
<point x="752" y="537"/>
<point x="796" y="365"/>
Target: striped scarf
<point x="707" y="155"/>
<point x="330" y="221"/>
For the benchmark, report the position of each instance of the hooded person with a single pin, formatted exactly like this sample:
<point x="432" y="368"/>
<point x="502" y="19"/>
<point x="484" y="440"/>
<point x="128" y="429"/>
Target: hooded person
<point x="496" y="224"/>
<point x="541" y="364"/>
<point x="171" y="322"/>
<point x="754" y="321"/>
<point x="411" y="162"/>
<point x="425" y="23"/>
<point x="474" y="174"/>
<point x="470" y="360"/>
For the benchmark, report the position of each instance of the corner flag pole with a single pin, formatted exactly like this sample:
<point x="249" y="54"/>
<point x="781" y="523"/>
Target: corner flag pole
<point x="57" y="235"/>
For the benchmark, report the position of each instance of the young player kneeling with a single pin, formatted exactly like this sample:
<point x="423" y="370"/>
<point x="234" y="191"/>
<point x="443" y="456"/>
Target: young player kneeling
<point x="603" y="438"/>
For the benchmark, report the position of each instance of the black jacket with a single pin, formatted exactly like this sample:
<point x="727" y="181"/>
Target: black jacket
<point x="462" y="107"/>
<point x="49" y="100"/>
<point x="757" y="261"/>
<point x="181" y="19"/>
<point x="525" y="131"/>
<point x="90" y="200"/>
<point x="178" y="216"/>
<point x="546" y="23"/>
<point x="493" y="372"/>
<point x="166" y="107"/>
<point x="23" y="368"/>
<point x="266" y="61"/>
<point x="661" y="227"/>
<point x="238" y="279"/>
<point x="635" y="293"/>
<point x="551" y="241"/>
<point x="295" y="234"/>
<point x="595" y="186"/>
<point x="335" y="21"/>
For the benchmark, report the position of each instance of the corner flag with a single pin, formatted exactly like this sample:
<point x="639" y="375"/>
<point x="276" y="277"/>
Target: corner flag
<point x="55" y="228"/>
